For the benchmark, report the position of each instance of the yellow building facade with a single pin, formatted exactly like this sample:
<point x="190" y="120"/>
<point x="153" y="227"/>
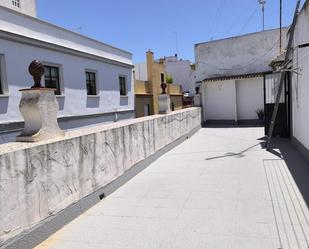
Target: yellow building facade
<point x="148" y="79"/>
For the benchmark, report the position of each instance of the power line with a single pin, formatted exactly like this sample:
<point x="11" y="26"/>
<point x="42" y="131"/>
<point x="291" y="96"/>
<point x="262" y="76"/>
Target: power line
<point x="238" y="17"/>
<point x="219" y="9"/>
<point x="249" y="19"/>
<point x="247" y="64"/>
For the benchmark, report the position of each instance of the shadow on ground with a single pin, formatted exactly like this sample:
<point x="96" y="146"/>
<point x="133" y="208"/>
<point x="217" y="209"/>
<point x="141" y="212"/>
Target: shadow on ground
<point x="284" y="150"/>
<point x="233" y="154"/>
<point x="296" y="163"/>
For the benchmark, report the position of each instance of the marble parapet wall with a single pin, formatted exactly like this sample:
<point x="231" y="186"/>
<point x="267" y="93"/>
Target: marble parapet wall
<point x="38" y="180"/>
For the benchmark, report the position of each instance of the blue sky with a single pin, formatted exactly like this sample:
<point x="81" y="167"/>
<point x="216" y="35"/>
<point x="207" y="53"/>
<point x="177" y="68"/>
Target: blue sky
<point x="139" y="25"/>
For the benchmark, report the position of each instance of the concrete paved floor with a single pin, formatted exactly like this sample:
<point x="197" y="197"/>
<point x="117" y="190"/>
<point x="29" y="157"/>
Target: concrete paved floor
<point x="219" y="189"/>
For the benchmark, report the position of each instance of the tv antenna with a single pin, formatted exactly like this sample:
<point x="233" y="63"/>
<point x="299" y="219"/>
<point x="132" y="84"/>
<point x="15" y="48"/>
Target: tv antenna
<point x="176" y="41"/>
<point x="262" y="3"/>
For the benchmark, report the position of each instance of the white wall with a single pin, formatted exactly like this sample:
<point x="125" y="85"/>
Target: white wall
<point x="220" y="100"/>
<point x="74" y="102"/>
<point x="141" y="72"/>
<point x="239" y="55"/>
<point x="232" y="100"/>
<point x="27" y="7"/>
<point x="182" y="74"/>
<point x="300" y="86"/>
<point x="250" y="97"/>
<point x="16" y="23"/>
<point x="24" y="38"/>
<point x="41" y="179"/>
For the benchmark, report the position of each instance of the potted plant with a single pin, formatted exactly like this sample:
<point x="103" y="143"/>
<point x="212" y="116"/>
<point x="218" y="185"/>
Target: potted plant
<point x="169" y="79"/>
<point x="260" y="114"/>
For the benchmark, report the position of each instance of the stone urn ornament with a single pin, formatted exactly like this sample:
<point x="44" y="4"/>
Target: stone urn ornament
<point x="39" y="108"/>
<point x="163" y="86"/>
<point x="36" y="70"/>
<point x="164" y="100"/>
<point x="197" y="90"/>
<point x="197" y="97"/>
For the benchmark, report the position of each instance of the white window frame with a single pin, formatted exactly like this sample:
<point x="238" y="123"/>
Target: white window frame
<point x="3" y="75"/>
<point x="96" y="82"/>
<point x="126" y="84"/>
<point x="61" y="81"/>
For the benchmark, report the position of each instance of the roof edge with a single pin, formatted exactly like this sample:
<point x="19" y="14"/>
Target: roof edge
<point x="63" y="29"/>
<point x="239" y="36"/>
<point x="239" y="76"/>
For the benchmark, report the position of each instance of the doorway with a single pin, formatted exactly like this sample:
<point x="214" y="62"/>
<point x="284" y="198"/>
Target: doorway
<point x="271" y="86"/>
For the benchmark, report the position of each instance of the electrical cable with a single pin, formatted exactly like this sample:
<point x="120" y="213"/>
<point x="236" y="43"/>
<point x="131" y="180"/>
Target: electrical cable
<point x="247" y="64"/>
<point x="219" y="9"/>
<point x="238" y="17"/>
<point x="249" y="19"/>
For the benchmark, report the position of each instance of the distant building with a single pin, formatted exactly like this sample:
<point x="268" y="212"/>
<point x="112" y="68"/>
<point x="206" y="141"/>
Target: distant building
<point x="27" y="7"/>
<point x="148" y="78"/>
<point x="93" y="80"/>
<point x="182" y="72"/>
<point x="232" y="72"/>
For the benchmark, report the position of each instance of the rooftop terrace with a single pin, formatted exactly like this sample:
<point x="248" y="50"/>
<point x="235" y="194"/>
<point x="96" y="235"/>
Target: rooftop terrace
<point x="219" y="189"/>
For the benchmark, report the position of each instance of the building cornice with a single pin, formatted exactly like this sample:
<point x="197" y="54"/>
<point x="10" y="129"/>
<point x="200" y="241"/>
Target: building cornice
<point x="37" y="20"/>
<point x="15" y="126"/>
<point x="50" y="46"/>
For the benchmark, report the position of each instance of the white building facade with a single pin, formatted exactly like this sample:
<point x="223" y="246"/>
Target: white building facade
<point x="231" y="73"/>
<point x="182" y="72"/>
<point x="27" y="7"/>
<point x="232" y="100"/>
<point x="93" y="80"/>
<point x="300" y="86"/>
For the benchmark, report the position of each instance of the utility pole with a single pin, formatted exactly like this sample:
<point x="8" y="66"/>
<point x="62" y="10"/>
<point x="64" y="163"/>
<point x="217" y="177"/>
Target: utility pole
<point x="280" y="46"/>
<point x="282" y="76"/>
<point x="262" y="3"/>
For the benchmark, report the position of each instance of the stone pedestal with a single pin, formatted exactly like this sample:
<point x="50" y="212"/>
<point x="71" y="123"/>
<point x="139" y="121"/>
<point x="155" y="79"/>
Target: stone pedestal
<point x="197" y="100"/>
<point x="164" y="104"/>
<point x="39" y="108"/>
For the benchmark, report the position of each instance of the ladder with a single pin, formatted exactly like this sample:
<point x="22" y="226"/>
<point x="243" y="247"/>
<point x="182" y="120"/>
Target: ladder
<point x="283" y="70"/>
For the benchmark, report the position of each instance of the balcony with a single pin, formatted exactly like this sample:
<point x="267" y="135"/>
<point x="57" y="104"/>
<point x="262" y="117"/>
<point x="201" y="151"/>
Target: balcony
<point x="142" y="87"/>
<point x="174" y="89"/>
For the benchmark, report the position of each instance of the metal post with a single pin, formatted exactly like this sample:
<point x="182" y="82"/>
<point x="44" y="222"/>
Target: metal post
<point x="262" y="3"/>
<point x="263" y="10"/>
<point x="282" y="78"/>
<point x="280" y="46"/>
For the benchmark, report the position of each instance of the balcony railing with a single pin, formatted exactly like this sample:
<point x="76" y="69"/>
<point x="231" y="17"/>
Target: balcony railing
<point x="174" y="89"/>
<point x="141" y="87"/>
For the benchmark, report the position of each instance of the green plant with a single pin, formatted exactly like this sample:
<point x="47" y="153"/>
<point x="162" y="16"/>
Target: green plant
<point x="169" y="79"/>
<point x="260" y="113"/>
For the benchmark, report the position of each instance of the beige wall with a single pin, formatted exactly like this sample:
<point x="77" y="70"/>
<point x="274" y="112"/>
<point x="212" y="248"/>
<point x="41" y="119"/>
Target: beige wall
<point x="155" y="69"/>
<point x="140" y="103"/>
<point x="141" y="87"/>
<point x="177" y="101"/>
<point x="27" y="7"/>
<point x="174" y="89"/>
<point x="152" y="86"/>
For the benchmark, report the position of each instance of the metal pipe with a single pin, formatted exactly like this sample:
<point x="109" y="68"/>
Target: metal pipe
<point x="280" y="46"/>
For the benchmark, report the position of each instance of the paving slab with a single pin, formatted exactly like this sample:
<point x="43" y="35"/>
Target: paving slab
<point x="219" y="189"/>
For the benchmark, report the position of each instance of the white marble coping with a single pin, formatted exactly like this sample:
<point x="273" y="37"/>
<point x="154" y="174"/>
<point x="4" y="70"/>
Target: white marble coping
<point x="15" y="146"/>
